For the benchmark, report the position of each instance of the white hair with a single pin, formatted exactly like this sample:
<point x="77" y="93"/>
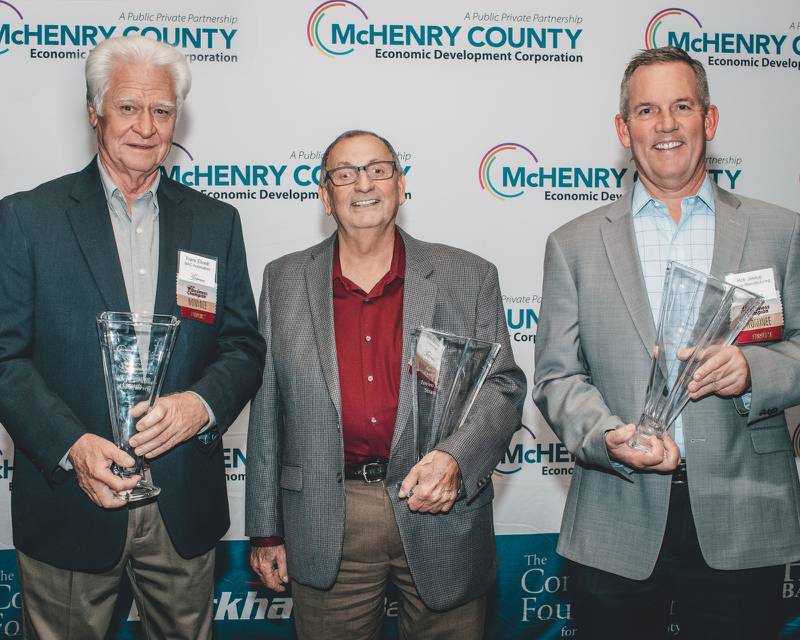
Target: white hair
<point x="102" y="59"/>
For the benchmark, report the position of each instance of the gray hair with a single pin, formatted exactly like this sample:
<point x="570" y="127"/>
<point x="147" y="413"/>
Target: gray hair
<point x="663" y="55"/>
<point x="102" y="59"/>
<point x="354" y="133"/>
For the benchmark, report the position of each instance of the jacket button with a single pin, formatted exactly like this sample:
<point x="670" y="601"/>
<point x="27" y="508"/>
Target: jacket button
<point x="339" y="477"/>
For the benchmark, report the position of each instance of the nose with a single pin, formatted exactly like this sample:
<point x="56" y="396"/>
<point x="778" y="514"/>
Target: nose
<point x="666" y="121"/>
<point x="145" y="124"/>
<point x="363" y="181"/>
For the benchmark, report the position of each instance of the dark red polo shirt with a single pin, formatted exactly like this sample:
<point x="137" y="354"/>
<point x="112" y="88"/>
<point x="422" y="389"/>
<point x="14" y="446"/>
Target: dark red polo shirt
<point x="369" y="347"/>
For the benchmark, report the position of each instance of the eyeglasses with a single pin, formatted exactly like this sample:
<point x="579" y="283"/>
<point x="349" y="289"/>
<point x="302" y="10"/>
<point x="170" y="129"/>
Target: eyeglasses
<point x="378" y="170"/>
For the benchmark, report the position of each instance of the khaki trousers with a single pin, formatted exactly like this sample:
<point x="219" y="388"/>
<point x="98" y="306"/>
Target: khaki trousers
<point x="174" y="595"/>
<point x="372" y="554"/>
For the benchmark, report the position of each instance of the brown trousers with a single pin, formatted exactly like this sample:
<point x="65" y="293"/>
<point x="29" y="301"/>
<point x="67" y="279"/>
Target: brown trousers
<point x="372" y="554"/>
<point x="174" y="596"/>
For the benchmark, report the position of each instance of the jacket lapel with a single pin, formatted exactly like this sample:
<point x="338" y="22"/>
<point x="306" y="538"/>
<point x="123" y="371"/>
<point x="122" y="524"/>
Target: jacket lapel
<point x="624" y="259"/>
<point x="730" y="232"/>
<point x="174" y="234"/>
<point x="91" y="222"/>
<point x="419" y="302"/>
<point x="320" y="296"/>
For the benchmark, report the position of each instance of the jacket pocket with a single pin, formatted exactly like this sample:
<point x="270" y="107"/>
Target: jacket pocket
<point x="292" y="477"/>
<point x="484" y="497"/>
<point x="771" y="439"/>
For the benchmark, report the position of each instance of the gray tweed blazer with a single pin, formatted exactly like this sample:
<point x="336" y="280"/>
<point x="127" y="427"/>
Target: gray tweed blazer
<point x="295" y="452"/>
<point x="592" y="364"/>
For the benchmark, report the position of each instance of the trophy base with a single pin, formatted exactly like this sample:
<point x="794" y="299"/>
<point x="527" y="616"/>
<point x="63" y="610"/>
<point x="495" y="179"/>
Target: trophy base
<point x="142" y="491"/>
<point x="646" y="430"/>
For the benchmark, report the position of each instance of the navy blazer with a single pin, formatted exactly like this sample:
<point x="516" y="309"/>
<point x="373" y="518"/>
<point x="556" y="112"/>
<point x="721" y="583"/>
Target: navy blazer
<point x="59" y="269"/>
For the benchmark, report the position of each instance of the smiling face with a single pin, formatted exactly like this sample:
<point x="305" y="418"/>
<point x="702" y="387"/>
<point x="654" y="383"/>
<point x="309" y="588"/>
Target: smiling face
<point x="365" y="204"/>
<point x="666" y="129"/>
<point x="134" y="134"/>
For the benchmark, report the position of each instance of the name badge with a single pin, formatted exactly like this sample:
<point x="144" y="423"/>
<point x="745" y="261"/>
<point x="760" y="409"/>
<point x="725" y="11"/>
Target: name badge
<point x="196" y="286"/>
<point x="767" y="322"/>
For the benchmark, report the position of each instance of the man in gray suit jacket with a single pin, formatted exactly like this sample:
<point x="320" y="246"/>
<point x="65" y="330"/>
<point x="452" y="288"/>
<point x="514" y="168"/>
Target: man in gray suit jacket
<point x="336" y="498"/>
<point x="710" y="515"/>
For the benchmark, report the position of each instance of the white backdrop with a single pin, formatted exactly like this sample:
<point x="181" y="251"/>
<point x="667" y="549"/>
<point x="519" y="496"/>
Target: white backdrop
<point x="275" y="82"/>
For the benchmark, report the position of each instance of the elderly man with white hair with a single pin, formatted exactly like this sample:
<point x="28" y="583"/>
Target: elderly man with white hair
<point x="112" y="237"/>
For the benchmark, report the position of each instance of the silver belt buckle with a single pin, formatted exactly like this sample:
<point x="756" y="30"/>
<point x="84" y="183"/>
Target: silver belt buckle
<point x="364" y="471"/>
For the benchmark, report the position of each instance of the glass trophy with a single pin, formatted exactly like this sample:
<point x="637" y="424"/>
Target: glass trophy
<point x="136" y="348"/>
<point x="448" y="372"/>
<point x="699" y="315"/>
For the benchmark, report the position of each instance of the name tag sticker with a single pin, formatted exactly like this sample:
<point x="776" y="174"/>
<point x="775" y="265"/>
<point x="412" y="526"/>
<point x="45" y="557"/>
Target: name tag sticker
<point x="767" y="323"/>
<point x="197" y="269"/>
<point x="196" y="286"/>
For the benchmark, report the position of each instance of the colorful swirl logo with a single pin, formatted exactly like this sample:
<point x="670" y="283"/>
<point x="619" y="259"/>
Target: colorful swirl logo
<point x="656" y="21"/>
<point x="485" y="168"/>
<point x="15" y="10"/>
<point x="316" y="20"/>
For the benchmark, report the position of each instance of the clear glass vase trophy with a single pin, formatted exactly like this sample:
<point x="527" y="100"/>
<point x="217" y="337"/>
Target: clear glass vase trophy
<point x="699" y="315"/>
<point x="136" y="348"/>
<point x="448" y="371"/>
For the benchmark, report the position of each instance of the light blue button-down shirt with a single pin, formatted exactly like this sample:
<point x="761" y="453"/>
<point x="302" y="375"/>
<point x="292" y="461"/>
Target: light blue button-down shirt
<point x="660" y="239"/>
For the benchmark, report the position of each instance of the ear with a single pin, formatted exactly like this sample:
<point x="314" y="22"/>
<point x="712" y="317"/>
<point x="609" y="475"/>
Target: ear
<point x="326" y="198"/>
<point x="711" y="121"/>
<point x="401" y="184"/>
<point x="93" y="117"/>
<point x="622" y="131"/>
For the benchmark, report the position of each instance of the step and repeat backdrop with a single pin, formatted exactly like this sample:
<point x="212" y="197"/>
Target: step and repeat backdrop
<point x="502" y="114"/>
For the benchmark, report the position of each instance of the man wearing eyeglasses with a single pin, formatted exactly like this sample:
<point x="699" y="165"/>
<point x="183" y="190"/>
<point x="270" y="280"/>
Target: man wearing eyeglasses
<point x="336" y="499"/>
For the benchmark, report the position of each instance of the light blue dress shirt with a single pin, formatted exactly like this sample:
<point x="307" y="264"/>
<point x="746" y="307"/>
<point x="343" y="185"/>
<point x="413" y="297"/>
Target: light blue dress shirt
<point x="660" y="239"/>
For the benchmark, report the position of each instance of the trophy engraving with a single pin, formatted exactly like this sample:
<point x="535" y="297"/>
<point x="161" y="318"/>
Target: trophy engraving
<point x="135" y="348"/>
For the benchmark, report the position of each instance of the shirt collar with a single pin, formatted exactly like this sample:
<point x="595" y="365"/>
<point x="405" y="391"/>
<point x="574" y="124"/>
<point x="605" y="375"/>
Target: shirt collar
<point x="397" y="268"/>
<point x="113" y="192"/>
<point x="641" y="197"/>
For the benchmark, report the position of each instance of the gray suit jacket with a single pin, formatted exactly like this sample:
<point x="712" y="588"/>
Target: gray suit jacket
<point x="592" y="364"/>
<point x="295" y="451"/>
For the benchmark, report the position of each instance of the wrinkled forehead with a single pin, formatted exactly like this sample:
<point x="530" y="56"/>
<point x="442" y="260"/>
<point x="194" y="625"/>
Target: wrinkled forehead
<point x="138" y="78"/>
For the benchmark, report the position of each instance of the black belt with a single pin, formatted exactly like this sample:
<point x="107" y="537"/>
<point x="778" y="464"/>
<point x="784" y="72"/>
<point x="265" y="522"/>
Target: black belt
<point x="371" y="471"/>
<point x="679" y="475"/>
